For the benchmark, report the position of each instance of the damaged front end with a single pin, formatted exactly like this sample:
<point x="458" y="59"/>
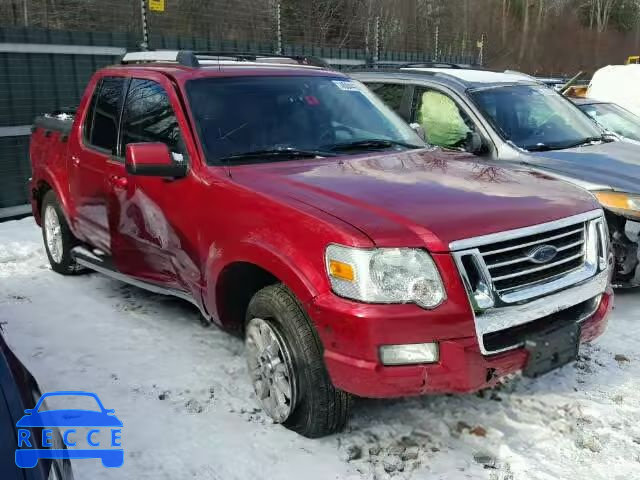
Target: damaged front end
<point x="622" y="211"/>
<point x="625" y="244"/>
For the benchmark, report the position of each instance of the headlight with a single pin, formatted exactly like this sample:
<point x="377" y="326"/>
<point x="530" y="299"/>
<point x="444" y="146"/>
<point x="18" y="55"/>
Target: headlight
<point x="625" y="204"/>
<point x="385" y="275"/>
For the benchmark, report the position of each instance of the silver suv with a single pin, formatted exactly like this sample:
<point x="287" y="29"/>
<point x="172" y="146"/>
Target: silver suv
<point x="513" y="118"/>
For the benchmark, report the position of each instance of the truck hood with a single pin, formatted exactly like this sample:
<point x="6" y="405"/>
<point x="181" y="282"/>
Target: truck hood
<point x="418" y="198"/>
<point x="613" y="165"/>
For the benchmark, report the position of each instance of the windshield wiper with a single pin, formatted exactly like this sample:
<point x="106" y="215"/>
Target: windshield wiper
<point x="586" y="141"/>
<point x="542" y="147"/>
<point x="370" y="144"/>
<point x="268" y="154"/>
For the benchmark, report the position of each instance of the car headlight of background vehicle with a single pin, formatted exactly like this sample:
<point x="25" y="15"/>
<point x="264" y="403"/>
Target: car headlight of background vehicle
<point x="385" y="275"/>
<point x="625" y="204"/>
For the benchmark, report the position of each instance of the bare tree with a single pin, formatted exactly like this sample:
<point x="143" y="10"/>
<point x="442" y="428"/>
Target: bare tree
<point x="602" y="13"/>
<point x="524" y="39"/>
<point x="505" y="11"/>
<point x="532" y="35"/>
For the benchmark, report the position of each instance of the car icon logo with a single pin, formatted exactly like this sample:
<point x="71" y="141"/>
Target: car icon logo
<point x="32" y="448"/>
<point x="542" y="254"/>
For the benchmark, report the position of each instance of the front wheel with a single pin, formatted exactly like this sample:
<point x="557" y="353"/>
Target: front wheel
<point x="284" y="357"/>
<point x="58" y="239"/>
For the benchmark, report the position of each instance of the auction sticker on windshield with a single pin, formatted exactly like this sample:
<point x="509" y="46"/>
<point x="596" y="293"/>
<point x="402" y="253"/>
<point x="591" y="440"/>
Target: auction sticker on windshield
<point x="347" y="86"/>
<point x="93" y="432"/>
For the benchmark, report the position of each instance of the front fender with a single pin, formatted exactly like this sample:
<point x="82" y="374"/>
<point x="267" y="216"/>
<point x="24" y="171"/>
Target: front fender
<point x="300" y="272"/>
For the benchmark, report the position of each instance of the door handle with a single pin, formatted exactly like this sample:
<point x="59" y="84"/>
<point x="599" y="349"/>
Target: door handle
<point x="118" y="182"/>
<point x="75" y="160"/>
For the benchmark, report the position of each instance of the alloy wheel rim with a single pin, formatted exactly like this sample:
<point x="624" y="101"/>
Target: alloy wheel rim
<point x="53" y="234"/>
<point x="270" y="369"/>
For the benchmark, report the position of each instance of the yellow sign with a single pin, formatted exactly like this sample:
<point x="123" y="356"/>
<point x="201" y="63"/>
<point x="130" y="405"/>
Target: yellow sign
<point x="156" y="5"/>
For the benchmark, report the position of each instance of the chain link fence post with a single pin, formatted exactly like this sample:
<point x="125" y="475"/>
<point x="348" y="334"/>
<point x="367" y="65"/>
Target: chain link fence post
<point x="279" y="28"/>
<point x="25" y="11"/>
<point x="376" y="47"/>
<point x="481" y="50"/>
<point x="144" y="45"/>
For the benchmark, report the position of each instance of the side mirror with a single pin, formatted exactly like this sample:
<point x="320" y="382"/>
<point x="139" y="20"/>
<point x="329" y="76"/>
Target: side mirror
<point x="475" y="144"/>
<point x="153" y="160"/>
<point x="419" y="129"/>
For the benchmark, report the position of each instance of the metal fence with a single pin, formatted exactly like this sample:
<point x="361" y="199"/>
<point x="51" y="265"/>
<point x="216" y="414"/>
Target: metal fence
<point x="50" y="48"/>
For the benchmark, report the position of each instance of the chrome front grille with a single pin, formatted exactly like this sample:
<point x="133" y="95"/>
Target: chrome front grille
<point x="515" y="277"/>
<point x="512" y="265"/>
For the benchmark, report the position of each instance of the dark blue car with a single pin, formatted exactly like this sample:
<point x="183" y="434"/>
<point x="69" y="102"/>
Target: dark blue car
<point x="20" y="391"/>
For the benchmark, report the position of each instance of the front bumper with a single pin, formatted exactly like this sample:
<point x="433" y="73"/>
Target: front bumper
<point x="352" y="336"/>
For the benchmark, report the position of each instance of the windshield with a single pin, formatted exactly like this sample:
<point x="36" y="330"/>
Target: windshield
<point x="534" y="117"/>
<point x="236" y="116"/>
<point x="614" y="118"/>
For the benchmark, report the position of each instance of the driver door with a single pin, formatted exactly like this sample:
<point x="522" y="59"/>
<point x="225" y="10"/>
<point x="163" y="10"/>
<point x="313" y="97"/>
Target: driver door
<point x="144" y="241"/>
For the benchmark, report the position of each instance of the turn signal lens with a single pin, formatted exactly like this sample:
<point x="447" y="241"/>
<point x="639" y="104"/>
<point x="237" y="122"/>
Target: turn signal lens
<point x="341" y="270"/>
<point x="625" y="204"/>
<point x="612" y="199"/>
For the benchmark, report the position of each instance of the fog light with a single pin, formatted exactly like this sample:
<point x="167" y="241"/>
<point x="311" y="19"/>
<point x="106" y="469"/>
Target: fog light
<point x="409" y="354"/>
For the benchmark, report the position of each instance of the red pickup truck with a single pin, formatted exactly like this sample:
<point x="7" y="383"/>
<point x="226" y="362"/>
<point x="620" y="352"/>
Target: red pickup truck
<point x="288" y="203"/>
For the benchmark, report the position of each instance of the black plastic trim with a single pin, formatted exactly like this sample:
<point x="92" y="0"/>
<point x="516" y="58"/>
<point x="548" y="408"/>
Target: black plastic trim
<point x="176" y="170"/>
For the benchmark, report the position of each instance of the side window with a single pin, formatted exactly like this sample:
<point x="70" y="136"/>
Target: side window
<point x="149" y="117"/>
<point x="445" y="124"/>
<point x="389" y="93"/>
<point x="88" y="120"/>
<point x="101" y="124"/>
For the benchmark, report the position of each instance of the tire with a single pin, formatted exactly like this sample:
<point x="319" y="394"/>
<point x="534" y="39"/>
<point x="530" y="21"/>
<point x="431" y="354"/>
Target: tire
<point x="316" y="407"/>
<point x="58" y="248"/>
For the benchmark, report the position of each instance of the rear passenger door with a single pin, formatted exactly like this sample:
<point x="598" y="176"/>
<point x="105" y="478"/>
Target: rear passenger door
<point x="95" y="162"/>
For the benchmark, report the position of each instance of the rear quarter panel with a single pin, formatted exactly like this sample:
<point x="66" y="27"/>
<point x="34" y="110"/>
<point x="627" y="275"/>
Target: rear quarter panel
<point x="49" y="153"/>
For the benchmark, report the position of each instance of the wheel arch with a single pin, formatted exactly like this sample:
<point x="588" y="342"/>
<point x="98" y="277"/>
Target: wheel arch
<point x="43" y="185"/>
<point x="232" y="283"/>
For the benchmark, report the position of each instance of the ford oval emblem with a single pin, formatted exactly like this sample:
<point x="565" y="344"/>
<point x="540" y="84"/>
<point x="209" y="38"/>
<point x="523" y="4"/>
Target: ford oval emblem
<point x="542" y="254"/>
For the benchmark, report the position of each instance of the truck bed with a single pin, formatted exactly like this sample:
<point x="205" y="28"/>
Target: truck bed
<point x="48" y="147"/>
<point x="60" y="121"/>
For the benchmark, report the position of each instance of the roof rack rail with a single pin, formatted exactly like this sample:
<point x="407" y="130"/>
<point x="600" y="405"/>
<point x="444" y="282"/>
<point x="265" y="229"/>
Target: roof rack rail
<point x="189" y="58"/>
<point x="265" y="58"/>
<point x="397" y="65"/>
<point x="434" y="65"/>
<point x="182" y="57"/>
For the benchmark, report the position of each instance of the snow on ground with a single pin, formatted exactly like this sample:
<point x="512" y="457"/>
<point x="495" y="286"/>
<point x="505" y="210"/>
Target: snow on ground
<point x="183" y="396"/>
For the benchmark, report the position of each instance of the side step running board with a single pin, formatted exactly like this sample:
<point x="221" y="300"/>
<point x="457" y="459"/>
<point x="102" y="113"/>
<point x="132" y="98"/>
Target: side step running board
<point x="104" y="265"/>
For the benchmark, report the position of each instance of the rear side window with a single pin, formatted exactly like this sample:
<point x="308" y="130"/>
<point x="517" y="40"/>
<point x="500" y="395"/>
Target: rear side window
<point x="149" y="117"/>
<point x="389" y="93"/>
<point x="101" y="127"/>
